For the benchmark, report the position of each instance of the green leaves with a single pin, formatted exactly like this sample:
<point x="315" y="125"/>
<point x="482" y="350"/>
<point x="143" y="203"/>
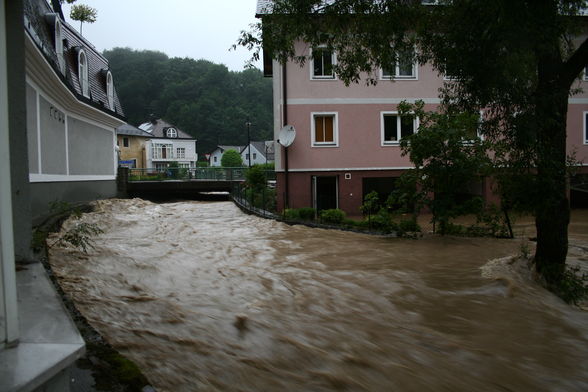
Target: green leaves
<point x="231" y="158"/>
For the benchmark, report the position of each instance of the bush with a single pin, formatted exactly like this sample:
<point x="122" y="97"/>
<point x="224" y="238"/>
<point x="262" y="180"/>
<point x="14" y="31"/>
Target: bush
<point x="291" y="214"/>
<point x="231" y="158"/>
<point x="572" y="287"/>
<point x="255" y="177"/>
<point x="382" y="221"/>
<point x="306" y="213"/>
<point x="409" y="226"/>
<point x="333" y="216"/>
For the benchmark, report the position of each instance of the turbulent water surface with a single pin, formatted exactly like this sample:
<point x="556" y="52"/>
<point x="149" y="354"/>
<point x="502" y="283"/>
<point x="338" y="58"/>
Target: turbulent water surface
<point x="204" y="297"/>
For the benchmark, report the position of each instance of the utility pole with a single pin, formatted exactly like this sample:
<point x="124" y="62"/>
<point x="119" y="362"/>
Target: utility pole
<point x="248" y="124"/>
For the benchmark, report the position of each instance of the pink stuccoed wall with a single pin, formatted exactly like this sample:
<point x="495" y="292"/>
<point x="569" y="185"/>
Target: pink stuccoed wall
<point x="360" y="151"/>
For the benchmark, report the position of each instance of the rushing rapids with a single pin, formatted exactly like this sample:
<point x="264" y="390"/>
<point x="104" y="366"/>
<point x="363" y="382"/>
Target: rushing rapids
<point x="206" y="298"/>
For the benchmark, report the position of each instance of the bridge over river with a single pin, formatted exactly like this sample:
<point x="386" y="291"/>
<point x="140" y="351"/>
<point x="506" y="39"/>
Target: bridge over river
<point x="182" y="181"/>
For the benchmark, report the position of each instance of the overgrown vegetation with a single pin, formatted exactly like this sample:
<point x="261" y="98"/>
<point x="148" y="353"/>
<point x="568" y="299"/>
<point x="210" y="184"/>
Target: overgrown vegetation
<point x="573" y="287"/>
<point x="80" y="235"/>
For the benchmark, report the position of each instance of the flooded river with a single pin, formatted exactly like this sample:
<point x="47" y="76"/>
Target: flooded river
<point x="205" y="298"/>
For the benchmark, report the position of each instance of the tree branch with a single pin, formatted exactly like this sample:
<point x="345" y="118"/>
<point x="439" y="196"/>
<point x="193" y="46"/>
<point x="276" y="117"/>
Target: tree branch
<point x="575" y="64"/>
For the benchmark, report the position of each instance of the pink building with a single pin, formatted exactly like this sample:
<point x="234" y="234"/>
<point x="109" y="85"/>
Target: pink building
<point x="347" y="138"/>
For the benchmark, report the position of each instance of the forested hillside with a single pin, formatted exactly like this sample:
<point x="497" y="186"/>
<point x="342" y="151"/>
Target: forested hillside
<point x="202" y="98"/>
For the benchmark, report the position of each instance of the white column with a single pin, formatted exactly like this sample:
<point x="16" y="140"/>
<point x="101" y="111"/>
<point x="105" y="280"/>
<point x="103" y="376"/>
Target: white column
<point x="7" y="272"/>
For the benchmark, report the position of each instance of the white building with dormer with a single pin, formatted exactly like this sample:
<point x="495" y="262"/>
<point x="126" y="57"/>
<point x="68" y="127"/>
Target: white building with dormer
<point x="169" y="144"/>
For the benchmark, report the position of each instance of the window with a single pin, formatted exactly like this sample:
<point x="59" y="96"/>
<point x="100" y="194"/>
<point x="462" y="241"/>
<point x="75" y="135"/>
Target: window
<point x="323" y="60"/>
<point x="184" y="165"/>
<point x="171" y="133"/>
<point x="324" y="129"/>
<point x="254" y="155"/>
<point x="585" y="73"/>
<point x="180" y="153"/>
<point x="215" y="159"/>
<point x="125" y="141"/>
<point x="403" y="68"/>
<point x="110" y="90"/>
<point x="247" y="156"/>
<point x="395" y="127"/>
<point x="585" y="127"/>
<point x="59" y="45"/>
<point x="83" y="73"/>
<point x="162" y="151"/>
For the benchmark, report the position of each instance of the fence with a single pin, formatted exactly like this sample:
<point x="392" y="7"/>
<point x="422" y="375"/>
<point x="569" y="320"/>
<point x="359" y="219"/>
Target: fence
<point x="260" y="201"/>
<point x="180" y="173"/>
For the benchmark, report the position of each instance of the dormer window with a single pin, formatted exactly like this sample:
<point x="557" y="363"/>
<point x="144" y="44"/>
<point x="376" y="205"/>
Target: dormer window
<point x="110" y="90"/>
<point x="172" y="133"/>
<point x="59" y="45"/>
<point x="83" y="73"/>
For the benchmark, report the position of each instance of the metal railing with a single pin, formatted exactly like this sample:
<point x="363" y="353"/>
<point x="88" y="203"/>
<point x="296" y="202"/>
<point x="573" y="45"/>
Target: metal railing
<point x="188" y="174"/>
<point x="260" y="201"/>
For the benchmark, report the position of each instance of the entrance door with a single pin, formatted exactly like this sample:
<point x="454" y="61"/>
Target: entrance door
<point x="325" y="193"/>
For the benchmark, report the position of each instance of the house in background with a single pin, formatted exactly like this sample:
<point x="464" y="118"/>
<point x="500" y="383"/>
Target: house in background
<point x="72" y="111"/>
<point x="261" y="153"/>
<point x="348" y="138"/>
<point x="217" y="154"/>
<point x="131" y="143"/>
<point x="168" y="144"/>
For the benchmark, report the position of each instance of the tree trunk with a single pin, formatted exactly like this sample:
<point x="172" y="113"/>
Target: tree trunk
<point x="552" y="204"/>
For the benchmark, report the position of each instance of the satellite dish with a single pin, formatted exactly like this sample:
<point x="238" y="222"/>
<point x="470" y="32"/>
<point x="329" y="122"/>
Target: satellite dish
<point x="287" y="135"/>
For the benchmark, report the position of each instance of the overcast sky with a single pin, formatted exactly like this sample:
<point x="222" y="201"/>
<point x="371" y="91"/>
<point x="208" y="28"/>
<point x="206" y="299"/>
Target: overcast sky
<point x="200" y="29"/>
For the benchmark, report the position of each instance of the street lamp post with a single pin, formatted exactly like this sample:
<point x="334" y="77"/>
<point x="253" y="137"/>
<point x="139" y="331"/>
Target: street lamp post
<point x="248" y="124"/>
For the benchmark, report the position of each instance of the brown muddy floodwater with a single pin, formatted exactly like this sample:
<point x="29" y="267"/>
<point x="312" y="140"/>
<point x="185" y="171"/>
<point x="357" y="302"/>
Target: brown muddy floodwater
<point x="206" y="298"/>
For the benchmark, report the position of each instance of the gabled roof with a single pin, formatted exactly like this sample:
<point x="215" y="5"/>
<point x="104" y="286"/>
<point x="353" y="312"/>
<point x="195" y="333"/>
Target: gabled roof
<point x="239" y="149"/>
<point x="39" y="24"/>
<point x="157" y="128"/>
<point x="128" y="129"/>
<point x="265" y="148"/>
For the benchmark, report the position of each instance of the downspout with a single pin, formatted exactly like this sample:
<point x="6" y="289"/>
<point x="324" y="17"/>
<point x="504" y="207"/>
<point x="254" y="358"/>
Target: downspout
<point x="285" y="118"/>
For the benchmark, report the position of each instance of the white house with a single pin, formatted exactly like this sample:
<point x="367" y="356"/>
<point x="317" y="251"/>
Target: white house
<point x="261" y="152"/>
<point x="169" y="144"/>
<point x="217" y="154"/>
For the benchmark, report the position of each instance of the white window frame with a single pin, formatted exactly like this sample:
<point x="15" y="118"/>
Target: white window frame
<point x="335" y="142"/>
<point x="157" y="151"/>
<point x="386" y="143"/>
<point x="333" y="62"/>
<point x="397" y="76"/>
<point x="110" y="90"/>
<point x="181" y="152"/>
<point x="59" y="44"/>
<point x="83" y="73"/>
<point x="585" y="135"/>
<point x="127" y="140"/>
<point x="171" y="133"/>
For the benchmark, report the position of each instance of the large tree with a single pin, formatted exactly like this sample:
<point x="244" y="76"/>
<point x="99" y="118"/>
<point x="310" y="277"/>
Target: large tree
<point x="516" y="59"/>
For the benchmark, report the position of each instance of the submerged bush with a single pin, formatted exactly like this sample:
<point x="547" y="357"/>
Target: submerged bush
<point x="291" y="214"/>
<point x="572" y="287"/>
<point x="333" y="216"/>
<point x="307" y="213"/>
